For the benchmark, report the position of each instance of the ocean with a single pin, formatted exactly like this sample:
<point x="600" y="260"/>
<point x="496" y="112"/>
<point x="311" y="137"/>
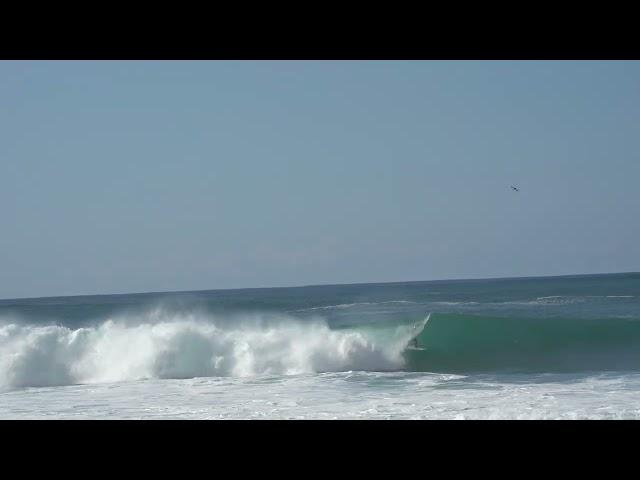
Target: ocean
<point x="514" y="348"/>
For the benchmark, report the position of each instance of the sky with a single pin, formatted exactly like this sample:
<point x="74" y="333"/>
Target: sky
<point x="146" y="176"/>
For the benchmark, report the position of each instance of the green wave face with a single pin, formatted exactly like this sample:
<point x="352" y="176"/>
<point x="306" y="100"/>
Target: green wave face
<point x="469" y="343"/>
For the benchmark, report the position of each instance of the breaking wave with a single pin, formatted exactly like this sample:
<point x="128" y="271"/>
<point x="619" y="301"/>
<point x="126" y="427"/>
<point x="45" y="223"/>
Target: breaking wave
<point x="186" y="346"/>
<point x="162" y="344"/>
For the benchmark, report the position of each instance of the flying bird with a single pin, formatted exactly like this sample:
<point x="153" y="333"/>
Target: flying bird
<point x="514" y="188"/>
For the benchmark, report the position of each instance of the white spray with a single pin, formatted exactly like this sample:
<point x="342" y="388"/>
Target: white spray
<point x="186" y="346"/>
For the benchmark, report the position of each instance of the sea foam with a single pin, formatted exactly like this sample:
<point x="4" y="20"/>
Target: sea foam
<point x="185" y="346"/>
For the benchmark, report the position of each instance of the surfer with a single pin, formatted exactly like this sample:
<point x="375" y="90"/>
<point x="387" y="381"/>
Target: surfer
<point x="414" y="341"/>
<point x="514" y="188"/>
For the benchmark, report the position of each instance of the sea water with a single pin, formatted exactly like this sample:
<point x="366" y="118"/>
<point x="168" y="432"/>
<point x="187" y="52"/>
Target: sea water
<point x="554" y="347"/>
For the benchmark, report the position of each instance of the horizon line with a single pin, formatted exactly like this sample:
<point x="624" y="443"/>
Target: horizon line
<point x="321" y="285"/>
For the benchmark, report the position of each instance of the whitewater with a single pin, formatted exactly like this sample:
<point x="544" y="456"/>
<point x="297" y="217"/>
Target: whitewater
<point x="185" y="347"/>
<point x="533" y="348"/>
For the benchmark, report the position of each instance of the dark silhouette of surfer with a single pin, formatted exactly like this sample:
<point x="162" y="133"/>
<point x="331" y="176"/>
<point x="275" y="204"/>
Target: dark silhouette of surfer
<point x="514" y="188"/>
<point x="414" y="341"/>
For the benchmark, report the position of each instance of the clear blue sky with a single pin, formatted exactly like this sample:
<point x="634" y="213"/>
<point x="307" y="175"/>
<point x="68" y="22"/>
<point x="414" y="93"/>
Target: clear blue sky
<point x="153" y="176"/>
